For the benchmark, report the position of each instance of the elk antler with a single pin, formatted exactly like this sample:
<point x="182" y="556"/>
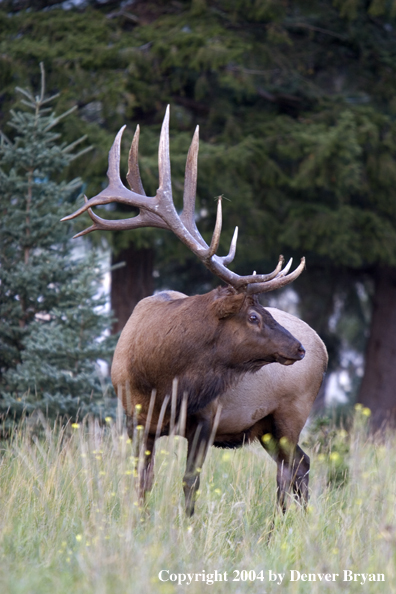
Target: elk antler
<point x="159" y="211"/>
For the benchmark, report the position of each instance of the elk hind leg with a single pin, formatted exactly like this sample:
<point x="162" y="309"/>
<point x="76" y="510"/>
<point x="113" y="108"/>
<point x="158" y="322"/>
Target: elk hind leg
<point x="292" y="475"/>
<point x="293" y="466"/>
<point x="301" y="467"/>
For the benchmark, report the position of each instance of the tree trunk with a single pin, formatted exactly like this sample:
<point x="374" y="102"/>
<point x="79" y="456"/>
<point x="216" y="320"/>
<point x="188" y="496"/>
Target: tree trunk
<point x="378" y="387"/>
<point x="316" y="293"/>
<point x="131" y="282"/>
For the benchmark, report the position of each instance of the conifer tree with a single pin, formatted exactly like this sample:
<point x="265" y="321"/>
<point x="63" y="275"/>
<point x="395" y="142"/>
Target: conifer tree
<point x="51" y="325"/>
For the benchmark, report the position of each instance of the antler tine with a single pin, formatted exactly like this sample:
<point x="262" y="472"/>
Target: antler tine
<point x="277" y="282"/>
<point x="183" y="226"/>
<point x="190" y="190"/>
<point x="89" y="229"/>
<point x="226" y="260"/>
<point x="133" y="175"/>
<point x="164" y="166"/>
<point x="286" y="269"/>
<point x="144" y="219"/>
<point x="113" y="170"/>
<point x="231" y="254"/>
<point x="214" y="244"/>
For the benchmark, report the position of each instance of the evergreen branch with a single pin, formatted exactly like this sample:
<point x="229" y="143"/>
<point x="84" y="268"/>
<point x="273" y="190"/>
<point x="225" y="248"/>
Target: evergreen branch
<point x="82" y="152"/>
<point x="57" y="119"/>
<point x="26" y="93"/>
<point x="71" y="146"/>
<point x="50" y="98"/>
<point x="4" y="140"/>
<point x="74" y="183"/>
<point x="42" y="82"/>
<point x="46" y="109"/>
<point x="234" y="68"/>
<point x="318" y="30"/>
<point x="38" y="100"/>
<point x="28" y="103"/>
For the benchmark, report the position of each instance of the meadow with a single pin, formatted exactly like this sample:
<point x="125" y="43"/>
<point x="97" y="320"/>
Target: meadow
<point x="70" y="520"/>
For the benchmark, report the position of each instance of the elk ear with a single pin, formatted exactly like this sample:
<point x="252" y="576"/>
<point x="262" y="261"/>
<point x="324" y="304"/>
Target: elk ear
<point x="228" y="305"/>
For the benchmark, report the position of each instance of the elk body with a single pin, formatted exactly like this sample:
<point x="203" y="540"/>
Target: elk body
<point x="242" y="370"/>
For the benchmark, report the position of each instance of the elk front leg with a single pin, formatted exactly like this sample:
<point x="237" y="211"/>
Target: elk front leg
<point x="197" y="446"/>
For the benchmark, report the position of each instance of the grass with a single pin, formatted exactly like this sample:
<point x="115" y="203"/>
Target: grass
<point x="70" y="521"/>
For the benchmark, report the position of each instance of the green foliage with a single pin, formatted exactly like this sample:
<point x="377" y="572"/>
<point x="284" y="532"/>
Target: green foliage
<point x="281" y="120"/>
<point x="334" y="441"/>
<point x="332" y="446"/>
<point x="51" y="331"/>
<point x="342" y="187"/>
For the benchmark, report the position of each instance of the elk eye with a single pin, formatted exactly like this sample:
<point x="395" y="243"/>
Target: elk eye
<point x="253" y="319"/>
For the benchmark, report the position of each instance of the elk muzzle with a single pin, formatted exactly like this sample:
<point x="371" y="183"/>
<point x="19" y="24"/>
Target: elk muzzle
<point x="298" y="355"/>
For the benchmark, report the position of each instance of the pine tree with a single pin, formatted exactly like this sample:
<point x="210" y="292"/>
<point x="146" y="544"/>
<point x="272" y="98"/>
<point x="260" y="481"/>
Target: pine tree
<point x="52" y="329"/>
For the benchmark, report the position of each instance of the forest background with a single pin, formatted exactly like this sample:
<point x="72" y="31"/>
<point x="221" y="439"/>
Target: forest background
<point x="296" y="103"/>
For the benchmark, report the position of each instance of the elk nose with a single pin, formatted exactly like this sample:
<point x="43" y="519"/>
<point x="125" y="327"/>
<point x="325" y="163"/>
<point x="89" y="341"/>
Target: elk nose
<point x="301" y="351"/>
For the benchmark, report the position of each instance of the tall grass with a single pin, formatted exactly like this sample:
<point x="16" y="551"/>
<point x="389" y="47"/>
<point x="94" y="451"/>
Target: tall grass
<point x="70" y="520"/>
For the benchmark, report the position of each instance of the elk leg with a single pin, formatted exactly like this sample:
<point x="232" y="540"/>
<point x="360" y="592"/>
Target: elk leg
<point x="301" y="480"/>
<point x="292" y="471"/>
<point x="146" y="469"/>
<point x="197" y="446"/>
<point x="292" y="475"/>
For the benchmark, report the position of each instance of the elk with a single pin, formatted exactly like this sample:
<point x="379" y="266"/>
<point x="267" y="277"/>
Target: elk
<point x="242" y="370"/>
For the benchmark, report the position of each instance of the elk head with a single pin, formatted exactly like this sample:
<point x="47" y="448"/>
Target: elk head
<point x="251" y="336"/>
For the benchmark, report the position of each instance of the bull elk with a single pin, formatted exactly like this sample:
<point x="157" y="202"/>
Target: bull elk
<point x="217" y="345"/>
